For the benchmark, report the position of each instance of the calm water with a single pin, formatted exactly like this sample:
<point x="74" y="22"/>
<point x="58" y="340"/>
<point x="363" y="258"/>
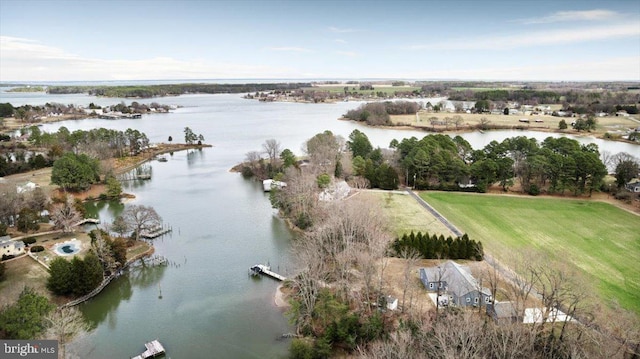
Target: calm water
<point x="210" y="307"/>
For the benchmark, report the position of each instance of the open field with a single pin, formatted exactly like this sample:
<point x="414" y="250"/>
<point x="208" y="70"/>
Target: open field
<point x="387" y="90"/>
<point x="22" y="272"/>
<point x="406" y="214"/>
<point x="610" y="124"/>
<point x="595" y="238"/>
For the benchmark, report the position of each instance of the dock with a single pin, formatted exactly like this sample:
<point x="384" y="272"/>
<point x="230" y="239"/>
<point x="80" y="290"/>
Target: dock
<point x="154" y="349"/>
<point x="88" y="220"/>
<point x="155" y="232"/>
<point x="266" y="270"/>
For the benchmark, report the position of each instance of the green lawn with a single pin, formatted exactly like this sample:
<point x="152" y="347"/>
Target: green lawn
<point x="406" y="214"/>
<point x="597" y="238"/>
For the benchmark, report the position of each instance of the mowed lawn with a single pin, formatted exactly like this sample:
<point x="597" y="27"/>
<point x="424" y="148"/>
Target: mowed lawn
<point x="600" y="239"/>
<point x="406" y="214"/>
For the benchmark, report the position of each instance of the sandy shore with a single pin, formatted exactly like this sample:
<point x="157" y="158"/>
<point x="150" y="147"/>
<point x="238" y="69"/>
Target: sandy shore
<point x="280" y="298"/>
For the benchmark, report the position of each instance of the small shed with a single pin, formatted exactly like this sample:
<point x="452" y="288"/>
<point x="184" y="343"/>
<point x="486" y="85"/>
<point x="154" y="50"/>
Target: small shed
<point x="503" y="312"/>
<point x="392" y="302"/>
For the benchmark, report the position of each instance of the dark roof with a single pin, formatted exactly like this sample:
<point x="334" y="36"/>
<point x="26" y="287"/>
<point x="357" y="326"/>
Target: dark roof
<point x="459" y="279"/>
<point x="504" y="310"/>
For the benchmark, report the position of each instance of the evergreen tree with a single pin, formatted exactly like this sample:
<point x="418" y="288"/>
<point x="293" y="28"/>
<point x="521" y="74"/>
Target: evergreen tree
<point x="25" y="318"/>
<point x="59" y="281"/>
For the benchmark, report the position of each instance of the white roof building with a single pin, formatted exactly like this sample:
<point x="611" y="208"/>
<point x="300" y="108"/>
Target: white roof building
<point x="10" y="247"/>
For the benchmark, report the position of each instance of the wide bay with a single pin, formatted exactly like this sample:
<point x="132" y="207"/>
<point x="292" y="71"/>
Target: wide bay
<point x="222" y="224"/>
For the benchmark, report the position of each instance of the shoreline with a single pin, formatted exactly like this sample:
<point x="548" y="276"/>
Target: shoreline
<point x="279" y="298"/>
<point x="429" y="131"/>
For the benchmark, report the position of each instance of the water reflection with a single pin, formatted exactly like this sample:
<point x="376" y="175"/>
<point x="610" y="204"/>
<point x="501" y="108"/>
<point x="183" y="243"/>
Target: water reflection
<point x="98" y="209"/>
<point x="104" y="307"/>
<point x="107" y="303"/>
<point x="145" y="275"/>
<point x="194" y="155"/>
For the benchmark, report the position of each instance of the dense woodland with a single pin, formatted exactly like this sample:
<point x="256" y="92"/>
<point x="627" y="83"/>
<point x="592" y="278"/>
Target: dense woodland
<point x="555" y="165"/>
<point x="377" y="113"/>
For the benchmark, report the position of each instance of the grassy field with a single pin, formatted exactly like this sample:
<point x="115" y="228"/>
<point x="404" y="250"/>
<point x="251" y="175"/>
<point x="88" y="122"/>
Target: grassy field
<point x="548" y="123"/>
<point x="595" y="238"/>
<point x="406" y="214"/>
<point x="387" y="90"/>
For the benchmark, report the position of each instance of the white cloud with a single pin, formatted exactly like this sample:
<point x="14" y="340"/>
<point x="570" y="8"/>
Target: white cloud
<point x="342" y="30"/>
<point x="538" y="38"/>
<point x="564" y="16"/>
<point x="27" y="60"/>
<point x="20" y="47"/>
<point x="341" y="41"/>
<point x="347" y="53"/>
<point x="290" y="49"/>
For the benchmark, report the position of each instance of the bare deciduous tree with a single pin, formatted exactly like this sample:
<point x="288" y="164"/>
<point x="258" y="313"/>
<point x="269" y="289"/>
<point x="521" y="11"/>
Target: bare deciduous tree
<point x="103" y="251"/>
<point x="410" y="257"/>
<point x="324" y="149"/>
<point x="65" y="215"/>
<point x="64" y="324"/>
<point x="272" y="149"/>
<point x="141" y="218"/>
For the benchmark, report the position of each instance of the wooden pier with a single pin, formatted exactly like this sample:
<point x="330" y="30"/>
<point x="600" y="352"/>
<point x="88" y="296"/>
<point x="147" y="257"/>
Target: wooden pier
<point x="266" y="270"/>
<point x="88" y="220"/>
<point x="154" y="349"/>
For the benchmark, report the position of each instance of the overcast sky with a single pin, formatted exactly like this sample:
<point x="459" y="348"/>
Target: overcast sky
<point x="51" y="40"/>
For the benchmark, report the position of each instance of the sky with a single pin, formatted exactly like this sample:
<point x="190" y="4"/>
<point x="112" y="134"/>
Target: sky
<point x="517" y="40"/>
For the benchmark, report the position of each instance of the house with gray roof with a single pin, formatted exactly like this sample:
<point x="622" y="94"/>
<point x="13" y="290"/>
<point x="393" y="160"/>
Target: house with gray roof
<point x="456" y="281"/>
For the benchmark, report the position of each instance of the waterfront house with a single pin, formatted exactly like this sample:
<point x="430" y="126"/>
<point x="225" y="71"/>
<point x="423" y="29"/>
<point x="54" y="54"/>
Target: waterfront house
<point x="457" y="282"/>
<point x="633" y="187"/>
<point x="9" y="247"/>
<point x="270" y="184"/>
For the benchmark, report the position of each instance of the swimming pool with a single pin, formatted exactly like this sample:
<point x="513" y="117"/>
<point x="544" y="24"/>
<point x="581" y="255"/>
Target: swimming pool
<point x="67" y="248"/>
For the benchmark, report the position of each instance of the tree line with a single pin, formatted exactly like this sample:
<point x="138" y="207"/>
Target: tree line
<point x="437" y="247"/>
<point x="171" y="89"/>
<point x="555" y="165"/>
<point x="377" y="113"/>
<point x="46" y="148"/>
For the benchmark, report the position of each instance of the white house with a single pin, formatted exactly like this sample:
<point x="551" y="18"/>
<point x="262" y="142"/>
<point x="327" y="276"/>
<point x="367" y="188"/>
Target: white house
<point x="10" y="247"/>
<point x="270" y="184"/>
<point x="336" y="191"/>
